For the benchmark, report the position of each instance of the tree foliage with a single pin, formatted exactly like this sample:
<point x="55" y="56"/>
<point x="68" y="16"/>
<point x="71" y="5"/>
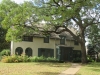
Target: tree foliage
<point x="3" y="43"/>
<point x="93" y="51"/>
<point x="17" y="19"/>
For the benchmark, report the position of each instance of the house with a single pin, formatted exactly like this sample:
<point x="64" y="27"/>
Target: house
<point x="62" y="46"/>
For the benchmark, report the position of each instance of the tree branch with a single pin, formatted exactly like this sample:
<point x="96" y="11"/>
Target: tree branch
<point x="91" y="22"/>
<point x="78" y="23"/>
<point x="65" y="29"/>
<point x="61" y="2"/>
<point x="75" y="36"/>
<point x="56" y="3"/>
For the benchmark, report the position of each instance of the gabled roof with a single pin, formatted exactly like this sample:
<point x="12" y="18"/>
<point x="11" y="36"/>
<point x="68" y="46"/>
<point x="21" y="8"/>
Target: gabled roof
<point x="54" y="35"/>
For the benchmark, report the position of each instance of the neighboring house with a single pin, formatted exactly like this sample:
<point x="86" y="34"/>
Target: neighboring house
<point x="61" y="46"/>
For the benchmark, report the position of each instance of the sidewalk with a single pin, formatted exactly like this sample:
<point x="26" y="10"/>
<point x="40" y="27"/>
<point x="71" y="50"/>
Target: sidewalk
<point x="72" y="70"/>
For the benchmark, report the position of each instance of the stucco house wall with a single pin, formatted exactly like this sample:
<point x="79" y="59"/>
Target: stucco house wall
<point x="37" y="43"/>
<point x="70" y="43"/>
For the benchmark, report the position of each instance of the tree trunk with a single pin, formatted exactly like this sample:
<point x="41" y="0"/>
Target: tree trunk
<point x="83" y="51"/>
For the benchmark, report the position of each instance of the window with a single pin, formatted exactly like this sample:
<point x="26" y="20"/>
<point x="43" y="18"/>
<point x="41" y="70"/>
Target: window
<point x="28" y="52"/>
<point x="62" y="40"/>
<point x="18" y="51"/>
<point x="46" y="39"/>
<point x="28" y="38"/>
<point x="76" y="42"/>
<point x="46" y="52"/>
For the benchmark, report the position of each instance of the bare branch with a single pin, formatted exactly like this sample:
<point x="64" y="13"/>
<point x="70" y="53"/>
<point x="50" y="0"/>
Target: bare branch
<point x="90" y="23"/>
<point x="75" y="36"/>
<point x="65" y="29"/>
<point x="61" y="2"/>
<point x="78" y="23"/>
<point x="56" y="3"/>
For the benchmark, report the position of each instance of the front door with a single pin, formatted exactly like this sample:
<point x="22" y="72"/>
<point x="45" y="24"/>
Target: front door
<point x="66" y="53"/>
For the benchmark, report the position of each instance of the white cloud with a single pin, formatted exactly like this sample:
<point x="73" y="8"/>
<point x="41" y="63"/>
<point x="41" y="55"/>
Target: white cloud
<point x="20" y="1"/>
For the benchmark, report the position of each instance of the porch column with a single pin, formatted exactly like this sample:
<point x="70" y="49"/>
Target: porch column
<point x="12" y="47"/>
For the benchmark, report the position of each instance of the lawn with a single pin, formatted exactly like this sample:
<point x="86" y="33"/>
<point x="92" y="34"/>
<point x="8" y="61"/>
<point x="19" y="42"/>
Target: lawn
<point x="40" y="68"/>
<point x="90" y="69"/>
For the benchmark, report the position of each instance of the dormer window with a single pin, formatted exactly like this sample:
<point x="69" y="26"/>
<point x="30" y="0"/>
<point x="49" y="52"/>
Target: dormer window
<point x="62" y="40"/>
<point x="46" y="39"/>
<point x="28" y="38"/>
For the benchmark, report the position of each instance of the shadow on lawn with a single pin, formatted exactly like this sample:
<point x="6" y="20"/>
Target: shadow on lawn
<point x="96" y="69"/>
<point x="94" y="65"/>
<point x="47" y="73"/>
<point x="54" y="64"/>
<point x="51" y="73"/>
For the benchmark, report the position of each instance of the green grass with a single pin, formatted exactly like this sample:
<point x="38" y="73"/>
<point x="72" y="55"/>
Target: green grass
<point x="90" y="69"/>
<point x="40" y="68"/>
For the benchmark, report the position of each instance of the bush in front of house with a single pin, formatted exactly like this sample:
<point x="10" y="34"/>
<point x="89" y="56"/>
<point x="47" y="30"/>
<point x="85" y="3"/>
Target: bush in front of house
<point x="51" y="59"/>
<point x="43" y="59"/>
<point x="89" y="59"/>
<point x="37" y="59"/>
<point x="15" y="59"/>
<point x="25" y="58"/>
<point x="77" y="60"/>
<point x="5" y="52"/>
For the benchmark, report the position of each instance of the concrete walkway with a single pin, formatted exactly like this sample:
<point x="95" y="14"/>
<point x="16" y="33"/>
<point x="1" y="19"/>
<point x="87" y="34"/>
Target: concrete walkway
<point x="72" y="70"/>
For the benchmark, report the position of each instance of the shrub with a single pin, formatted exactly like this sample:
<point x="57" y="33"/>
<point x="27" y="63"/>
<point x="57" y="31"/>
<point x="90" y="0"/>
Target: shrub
<point x="5" y="52"/>
<point x="37" y="59"/>
<point x="14" y="59"/>
<point x="51" y="59"/>
<point x="25" y="58"/>
<point x="42" y="59"/>
<point x="89" y="59"/>
<point x="77" y="59"/>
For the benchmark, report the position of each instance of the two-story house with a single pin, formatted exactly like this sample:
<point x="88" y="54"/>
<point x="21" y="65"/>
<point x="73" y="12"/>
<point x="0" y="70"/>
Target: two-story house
<point x="62" y="46"/>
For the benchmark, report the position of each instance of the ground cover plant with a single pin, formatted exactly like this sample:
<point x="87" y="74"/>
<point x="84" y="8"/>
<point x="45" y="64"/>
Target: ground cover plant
<point x="90" y="69"/>
<point x="36" y="68"/>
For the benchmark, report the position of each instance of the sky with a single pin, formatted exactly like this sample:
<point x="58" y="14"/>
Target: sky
<point x="18" y="1"/>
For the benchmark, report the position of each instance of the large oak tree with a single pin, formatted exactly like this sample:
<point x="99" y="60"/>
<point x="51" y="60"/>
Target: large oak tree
<point x="78" y="14"/>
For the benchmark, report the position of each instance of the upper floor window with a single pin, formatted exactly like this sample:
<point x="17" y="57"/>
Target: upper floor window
<point x="28" y="38"/>
<point x="46" y="39"/>
<point x="62" y="40"/>
<point x="76" y="42"/>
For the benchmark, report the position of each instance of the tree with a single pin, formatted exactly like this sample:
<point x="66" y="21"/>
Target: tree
<point x="93" y="51"/>
<point x="94" y="46"/>
<point x="78" y="14"/>
<point x="26" y="17"/>
<point x="3" y="43"/>
<point x="94" y="34"/>
<point x="17" y="19"/>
